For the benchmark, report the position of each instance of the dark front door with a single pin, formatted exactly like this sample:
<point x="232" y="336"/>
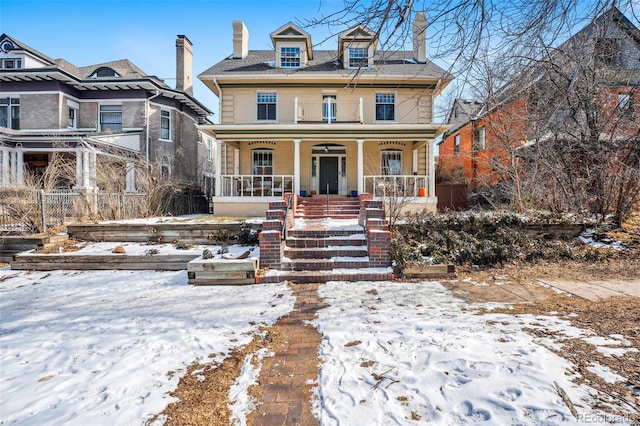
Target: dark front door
<point x="328" y="175"/>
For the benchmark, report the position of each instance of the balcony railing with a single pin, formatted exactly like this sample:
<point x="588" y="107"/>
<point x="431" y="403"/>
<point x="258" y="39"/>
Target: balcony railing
<point x="396" y="185"/>
<point x="328" y="111"/>
<point x="256" y="185"/>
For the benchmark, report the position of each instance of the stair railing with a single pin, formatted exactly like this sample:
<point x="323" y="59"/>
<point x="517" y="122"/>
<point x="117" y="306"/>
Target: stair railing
<point x="327" y="199"/>
<point x="286" y="215"/>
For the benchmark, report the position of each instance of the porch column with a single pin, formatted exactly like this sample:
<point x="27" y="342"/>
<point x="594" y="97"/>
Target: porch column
<point x="218" y="171"/>
<point x="19" y="167"/>
<point x="79" y="168"/>
<point x="93" y="167"/>
<point x="360" y="165"/>
<point x="236" y="161"/>
<point x="130" y="182"/>
<point x="431" y="170"/>
<point x="4" y="175"/>
<point x="13" y="167"/>
<point x="296" y="166"/>
<point x="415" y="162"/>
<point x="85" y="168"/>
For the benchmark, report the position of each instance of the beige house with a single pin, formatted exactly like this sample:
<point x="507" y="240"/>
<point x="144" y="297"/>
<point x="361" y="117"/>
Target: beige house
<point x="315" y="122"/>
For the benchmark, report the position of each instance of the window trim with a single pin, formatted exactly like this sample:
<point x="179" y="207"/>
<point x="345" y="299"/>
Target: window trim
<point x="482" y="138"/>
<point x="456" y="144"/>
<point x="12" y="105"/>
<point x="254" y="166"/>
<point x="275" y="103"/>
<point x="100" y="124"/>
<point x="386" y="152"/>
<point x="209" y="146"/>
<point x="17" y="63"/>
<point x="376" y="103"/>
<point x="73" y="118"/>
<point x="357" y="62"/>
<point x="169" y="129"/>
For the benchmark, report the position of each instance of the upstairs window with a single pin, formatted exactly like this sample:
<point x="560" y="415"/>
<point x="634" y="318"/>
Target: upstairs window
<point x="11" y="63"/>
<point x="385" y="106"/>
<point x="262" y="162"/>
<point x="625" y="104"/>
<point x="482" y="138"/>
<point x="290" y="57"/>
<point x="266" y="106"/>
<point x="456" y="144"/>
<point x="165" y="125"/>
<point x="329" y="108"/>
<point x="105" y="72"/>
<point x="391" y="162"/>
<point x="110" y="118"/>
<point x="10" y="113"/>
<point x="209" y="150"/>
<point x="358" y="57"/>
<point x="72" y="118"/>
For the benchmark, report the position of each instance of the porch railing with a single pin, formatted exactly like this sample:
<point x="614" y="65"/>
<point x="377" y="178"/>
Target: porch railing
<point x="396" y="185"/>
<point x="256" y="185"/>
<point x="328" y="111"/>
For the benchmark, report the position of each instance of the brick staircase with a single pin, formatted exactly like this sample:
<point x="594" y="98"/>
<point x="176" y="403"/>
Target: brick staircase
<point x="326" y="242"/>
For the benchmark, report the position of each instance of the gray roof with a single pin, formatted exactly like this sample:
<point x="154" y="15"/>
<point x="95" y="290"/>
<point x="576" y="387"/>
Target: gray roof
<point x="260" y="62"/>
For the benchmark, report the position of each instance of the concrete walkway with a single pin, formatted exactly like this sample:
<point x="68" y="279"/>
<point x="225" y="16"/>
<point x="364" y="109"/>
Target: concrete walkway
<point x="595" y="290"/>
<point x="288" y="378"/>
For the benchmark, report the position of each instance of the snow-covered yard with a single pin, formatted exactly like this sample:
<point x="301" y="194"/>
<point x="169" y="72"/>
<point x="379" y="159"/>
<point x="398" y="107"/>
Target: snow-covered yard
<point x="82" y="348"/>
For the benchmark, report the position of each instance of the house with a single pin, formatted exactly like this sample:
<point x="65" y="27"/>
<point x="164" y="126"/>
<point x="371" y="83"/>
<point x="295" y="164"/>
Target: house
<point x="595" y="73"/>
<point x="88" y="115"/>
<point x="313" y="122"/>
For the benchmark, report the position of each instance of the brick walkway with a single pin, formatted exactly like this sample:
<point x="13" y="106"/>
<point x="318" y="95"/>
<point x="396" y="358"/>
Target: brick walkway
<point x="285" y="377"/>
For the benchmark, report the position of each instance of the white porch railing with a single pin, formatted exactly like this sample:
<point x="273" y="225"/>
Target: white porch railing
<point x="396" y="185"/>
<point x="328" y="111"/>
<point x="256" y="185"/>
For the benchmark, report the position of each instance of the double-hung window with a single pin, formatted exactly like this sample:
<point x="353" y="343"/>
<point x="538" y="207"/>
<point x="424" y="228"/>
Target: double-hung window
<point x="10" y="113"/>
<point x="456" y="144"/>
<point x="72" y="117"/>
<point x="385" y="106"/>
<point x="209" y="150"/>
<point x="266" y="106"/>
<point x="165" y="125"/>
<point x="482" y="138"/>
<point x="358" y="57"/>
<point x="262" y="161"/>
<point x="290" y="57"/>
<point x="329" y="108"/>
<point x="391" y="162"/>
<point x="110" y="118"/>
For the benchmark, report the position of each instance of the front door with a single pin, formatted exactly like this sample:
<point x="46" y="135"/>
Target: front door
<point x="328" y="175"/>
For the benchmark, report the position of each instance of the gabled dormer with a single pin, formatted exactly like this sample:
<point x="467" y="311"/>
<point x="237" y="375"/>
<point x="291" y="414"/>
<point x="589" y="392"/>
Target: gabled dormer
<point x="14" y="55"/>
<point x="356" y="47"/>
<point x="292" y="46"/>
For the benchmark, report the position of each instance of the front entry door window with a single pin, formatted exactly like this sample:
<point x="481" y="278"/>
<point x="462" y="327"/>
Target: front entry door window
<point x="328" y="175"/>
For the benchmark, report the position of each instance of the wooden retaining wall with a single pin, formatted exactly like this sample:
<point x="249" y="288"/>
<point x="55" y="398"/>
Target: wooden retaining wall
<point x="10" y="245"/>
<point x="222" y="271"/>
<point x="190" y="233"/>
<point x="52" y="262"/>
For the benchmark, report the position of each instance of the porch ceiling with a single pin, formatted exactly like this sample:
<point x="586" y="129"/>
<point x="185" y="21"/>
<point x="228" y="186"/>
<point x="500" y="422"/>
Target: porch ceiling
<point x="324" y="132"/>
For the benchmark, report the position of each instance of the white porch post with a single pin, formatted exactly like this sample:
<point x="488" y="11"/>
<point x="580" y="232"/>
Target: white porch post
<point x="85" y="168"/>
<point x="5" y="167"/>
<point x="236" y="161"/>
<point x="19" y="167"/>
<point x="360" y="165"/>
<point x="130" y="183"/>
<point x="296" y="166"/>
<point x="79" y="168"/>
<point x="13" y="166"/>
<point x="218" y="170"/>
<point x="415" y="162"/>
<point x="431" y="170"/>
<point x="93" y="166"/>
<point x="295" y="110"/>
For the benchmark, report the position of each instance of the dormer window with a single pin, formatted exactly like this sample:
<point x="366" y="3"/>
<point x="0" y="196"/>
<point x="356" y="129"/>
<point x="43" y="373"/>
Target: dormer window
<point x="290" y="57"/>
<point x="104" y="72"/>
<point x="11" y="63"/>
<point x="358" y="57"/>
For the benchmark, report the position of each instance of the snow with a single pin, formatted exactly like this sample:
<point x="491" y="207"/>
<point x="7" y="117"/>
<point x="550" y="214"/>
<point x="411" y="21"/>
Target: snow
<point x="98" y="347"/>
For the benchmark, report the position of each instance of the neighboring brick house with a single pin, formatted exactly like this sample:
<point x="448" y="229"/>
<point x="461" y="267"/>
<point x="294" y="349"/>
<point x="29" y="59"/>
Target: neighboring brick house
<point x="493" y="135"/>
<point x="110" y="110"/>
<point x="345" y="121"/>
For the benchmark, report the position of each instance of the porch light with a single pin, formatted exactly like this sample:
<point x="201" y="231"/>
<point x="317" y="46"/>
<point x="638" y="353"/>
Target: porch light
<point x="326" y="149"/>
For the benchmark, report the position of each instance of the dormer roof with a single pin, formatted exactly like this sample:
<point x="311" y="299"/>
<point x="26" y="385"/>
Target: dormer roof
<point x="291" y="32"/>
<point x="359" y="33"/>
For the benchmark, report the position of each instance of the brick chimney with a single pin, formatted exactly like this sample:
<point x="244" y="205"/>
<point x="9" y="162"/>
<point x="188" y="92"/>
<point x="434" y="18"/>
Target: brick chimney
<point x="184" y="65"/>
<point x="420" y="38"/>
<point x="240" y="40"/>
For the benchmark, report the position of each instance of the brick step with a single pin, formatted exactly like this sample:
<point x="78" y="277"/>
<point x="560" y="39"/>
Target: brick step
<point x="325" y="264"/>
<point x="355" y="240"/>
<point x="323" y="199"/>
<point x="322" y="210"/>
<point x="325" y="252"/>
<point x="324" y="233"/>
<point x="323" y="216"/>
<point x="368" y="274"/>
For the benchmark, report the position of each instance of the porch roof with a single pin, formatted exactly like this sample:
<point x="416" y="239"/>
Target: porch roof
<point x="323" y="131"/>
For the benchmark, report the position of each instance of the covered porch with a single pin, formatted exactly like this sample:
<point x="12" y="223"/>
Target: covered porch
<point x="257" y="163"/>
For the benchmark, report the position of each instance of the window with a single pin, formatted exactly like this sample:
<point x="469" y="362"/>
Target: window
<point x="267" y="106"/>
<point x="165" y="125"/>
<point x="456" y="144"/>
<point x="262" y="162"/>
<point x="329" y="112"/>
<point x="482" y="138"/>
<point x="209" y="150"/>
<point x="165" y="171"/>
<point x="290" y="57"/>
<point x="110" y="118"/>
<point x="105" y="72"/>
<point x="10" y="113"/>
<point x="72" y="117"/>
<point x="358" y="57"/>
<point x="625" y="104"/>
<point x="11" y="63"/>
<point x="391" y="162"/>
<point x="607" y="51"/>
<point x="385" y="106"/>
